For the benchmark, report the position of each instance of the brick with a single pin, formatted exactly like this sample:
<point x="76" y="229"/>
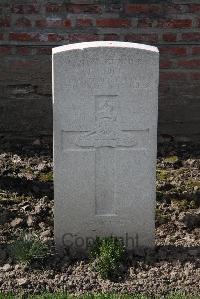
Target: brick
<point x="196" y="50"/>
<point x="54" y="37"/>
<point x="67" y="23"/>
<point x="195" y="76"/>
<point x="191" y="37"/>
<point x="84" y="8"/>
<point x="5" y="50"/>
<point x="44" y="50"/>
<point x="24" y="36"/>
<point x="165" y="63"/>
<point x="177" y="23"/>
<point x="52" y="7"/>
<point x="23" y="22"/>
<point x="53" y="23"/>
<point x="173" y="76"/>
<point x="25" y="8"/>
<point x="147" y="22"/>
<point x="111" y="37"/>
<point x="169" y="37"/>
<point x="4" y="22"/>
<point x="171" y="8"/>
<point x="174" y="51"/>
<point x="84" y="22"/>
<point x="1" y="36"/>
<point x="23" y="50"/>
<point x="143" y="8"/>
<point x="151" y="37"/>
<point x="193" y="8"/>
<point x="113" y="23"/>
<point x="83" y="37"/>
<point x="190" y="63"/>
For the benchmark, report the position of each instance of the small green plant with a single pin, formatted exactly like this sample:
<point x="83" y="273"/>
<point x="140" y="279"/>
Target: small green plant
<point x="171" y="159"/>
<point x="162" y="175"/>
<point x="193" y="184"/>
<point x="107" y="256"/>
<point x="97" y="296"/>
<point x="27" y="248"/>
<point x="46" y="177"/>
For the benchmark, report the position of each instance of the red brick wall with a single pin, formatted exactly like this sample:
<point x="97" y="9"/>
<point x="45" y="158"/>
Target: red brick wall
<point x="29" y="29"/>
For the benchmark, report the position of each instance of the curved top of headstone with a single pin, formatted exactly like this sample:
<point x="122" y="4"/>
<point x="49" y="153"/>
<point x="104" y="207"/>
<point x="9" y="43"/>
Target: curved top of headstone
<point x="99" y="44"/>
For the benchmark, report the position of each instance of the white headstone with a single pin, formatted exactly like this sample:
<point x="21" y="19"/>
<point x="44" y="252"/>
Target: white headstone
<point x="105" y="138"/>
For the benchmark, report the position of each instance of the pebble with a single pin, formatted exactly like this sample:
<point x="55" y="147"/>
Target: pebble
<point x="30" y="220"/>
<point x="46" y="233"/>
<point x="16" y="222"/>
<point x="6" y="267"/>
<point x="22" y="281"/>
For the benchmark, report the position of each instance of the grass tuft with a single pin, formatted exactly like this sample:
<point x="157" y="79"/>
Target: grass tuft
<point x="107" y="255"/>
<point x="27" y="248"/>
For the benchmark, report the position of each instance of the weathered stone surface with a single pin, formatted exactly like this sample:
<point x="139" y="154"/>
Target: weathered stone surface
<point x="105" y="131"/>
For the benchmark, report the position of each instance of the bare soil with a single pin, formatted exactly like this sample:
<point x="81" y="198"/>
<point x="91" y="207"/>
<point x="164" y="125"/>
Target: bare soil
<point x="26" y="204"/>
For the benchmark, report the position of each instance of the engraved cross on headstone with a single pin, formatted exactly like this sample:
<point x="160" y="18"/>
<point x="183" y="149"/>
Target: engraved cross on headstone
<point x="105" y="140"/>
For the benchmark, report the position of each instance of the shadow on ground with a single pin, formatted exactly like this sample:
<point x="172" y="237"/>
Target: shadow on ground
<point x="26" y="187"/>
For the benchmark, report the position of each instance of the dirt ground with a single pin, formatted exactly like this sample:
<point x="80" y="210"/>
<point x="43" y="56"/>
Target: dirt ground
<point x="26" y="204"/>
